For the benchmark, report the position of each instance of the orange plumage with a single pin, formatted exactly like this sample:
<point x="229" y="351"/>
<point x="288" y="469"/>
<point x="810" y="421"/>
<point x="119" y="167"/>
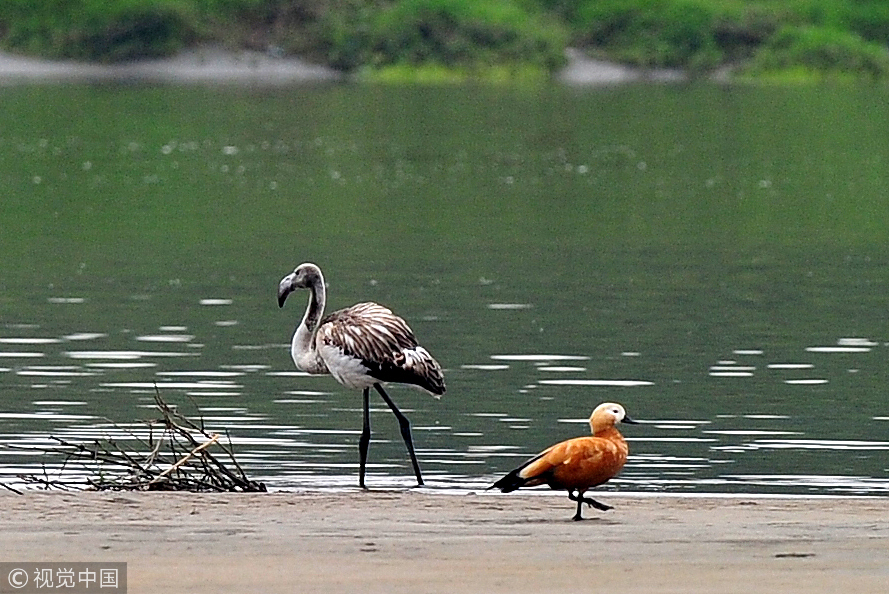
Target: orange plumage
<point x="577" y="464"/>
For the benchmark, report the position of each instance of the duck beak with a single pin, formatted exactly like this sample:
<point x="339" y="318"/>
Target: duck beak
<point x="285" y="288"/>
<point x="629" y="421"/>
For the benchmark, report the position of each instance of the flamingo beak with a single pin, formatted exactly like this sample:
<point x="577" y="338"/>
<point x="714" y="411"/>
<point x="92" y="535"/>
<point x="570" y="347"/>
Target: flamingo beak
<point x="285" y="288"/>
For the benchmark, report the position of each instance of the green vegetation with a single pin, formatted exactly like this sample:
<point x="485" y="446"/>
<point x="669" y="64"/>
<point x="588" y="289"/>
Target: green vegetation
<point x="819" y="53"/>
<point x="489" y="39"/>
<point x="98" y="30"/>
<point x="762" y="36"/>
<point x="464" y="32"/>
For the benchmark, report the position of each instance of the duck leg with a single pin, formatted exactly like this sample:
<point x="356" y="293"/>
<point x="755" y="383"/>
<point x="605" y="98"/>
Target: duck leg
<point x="405" y="426"/>
<point x="577" y="516"/>
<point x="580" y="499"/>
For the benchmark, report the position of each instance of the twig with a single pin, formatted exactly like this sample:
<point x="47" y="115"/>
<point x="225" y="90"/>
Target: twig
<point x="14" y="490"/>
<point x="184" y="459"/>
<point x="178" y="458"/>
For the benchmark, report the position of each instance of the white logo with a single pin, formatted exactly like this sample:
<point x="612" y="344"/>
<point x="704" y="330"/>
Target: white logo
<point x="18" y="578"/>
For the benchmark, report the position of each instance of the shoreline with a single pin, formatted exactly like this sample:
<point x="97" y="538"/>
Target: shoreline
<point x="205" y="64"/>
<point x="418" y="541"/>
<point x="212" y="64"/>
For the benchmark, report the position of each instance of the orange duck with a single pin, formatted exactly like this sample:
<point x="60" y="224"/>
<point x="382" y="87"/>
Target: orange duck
<point x="578" y="464"/>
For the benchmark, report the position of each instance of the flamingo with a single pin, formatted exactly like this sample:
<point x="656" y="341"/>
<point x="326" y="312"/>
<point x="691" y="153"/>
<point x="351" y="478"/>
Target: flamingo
<point x="361" y="346"/>
<point x="577" y="464"/>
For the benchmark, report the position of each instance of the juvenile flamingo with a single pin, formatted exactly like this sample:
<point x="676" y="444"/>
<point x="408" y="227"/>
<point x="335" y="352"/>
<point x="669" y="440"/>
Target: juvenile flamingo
<point x="577" y="464"/>
<point x="360" y="346"/>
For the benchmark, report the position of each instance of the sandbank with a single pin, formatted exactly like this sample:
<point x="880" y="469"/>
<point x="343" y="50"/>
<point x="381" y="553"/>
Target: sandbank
<point x="425" y="540"/>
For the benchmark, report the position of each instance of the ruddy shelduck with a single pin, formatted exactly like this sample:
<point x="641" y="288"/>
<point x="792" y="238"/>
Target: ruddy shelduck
<point x="578" y="464"/>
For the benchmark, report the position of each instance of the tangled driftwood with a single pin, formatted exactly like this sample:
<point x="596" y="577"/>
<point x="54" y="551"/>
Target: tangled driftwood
<point x="178" y="456"/>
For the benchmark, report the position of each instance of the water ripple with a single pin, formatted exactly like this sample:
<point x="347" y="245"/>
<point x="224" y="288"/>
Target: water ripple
<point x="595" y="382"/>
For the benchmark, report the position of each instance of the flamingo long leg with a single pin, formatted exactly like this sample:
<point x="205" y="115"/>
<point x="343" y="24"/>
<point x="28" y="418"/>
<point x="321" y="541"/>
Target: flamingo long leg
<point x="405" y="426"/>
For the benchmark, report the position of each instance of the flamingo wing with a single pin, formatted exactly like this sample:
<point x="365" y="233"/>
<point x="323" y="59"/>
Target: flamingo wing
<point x="372" y="337"/>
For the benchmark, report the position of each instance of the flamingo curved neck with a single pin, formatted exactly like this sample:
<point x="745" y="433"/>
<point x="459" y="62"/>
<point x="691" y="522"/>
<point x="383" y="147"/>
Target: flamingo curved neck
<point x="302" y="347"/>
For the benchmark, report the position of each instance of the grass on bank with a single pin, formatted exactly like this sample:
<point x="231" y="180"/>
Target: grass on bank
<point x="457" y="39"/>
<point x="700" y="35"/>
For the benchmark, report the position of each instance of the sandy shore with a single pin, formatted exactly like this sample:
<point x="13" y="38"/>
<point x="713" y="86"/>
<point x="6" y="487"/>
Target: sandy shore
<point x="216" y="65"/>
<point x="424" y="541"/>
<point x="201" y="65"/>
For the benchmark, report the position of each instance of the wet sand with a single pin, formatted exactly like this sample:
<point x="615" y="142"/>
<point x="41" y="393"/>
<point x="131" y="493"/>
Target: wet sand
<point x="426" y="541"/>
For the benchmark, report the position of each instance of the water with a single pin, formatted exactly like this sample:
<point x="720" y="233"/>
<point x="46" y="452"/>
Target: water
<point x="714" y="258"/>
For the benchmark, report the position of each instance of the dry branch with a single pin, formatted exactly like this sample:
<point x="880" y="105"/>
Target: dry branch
<point x="185" y="459"/>
<point x="180" y="456"/>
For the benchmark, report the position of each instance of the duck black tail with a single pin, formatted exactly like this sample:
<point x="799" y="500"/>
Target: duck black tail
<point x="510" y="482"/>
<point x="514" y="480"/>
